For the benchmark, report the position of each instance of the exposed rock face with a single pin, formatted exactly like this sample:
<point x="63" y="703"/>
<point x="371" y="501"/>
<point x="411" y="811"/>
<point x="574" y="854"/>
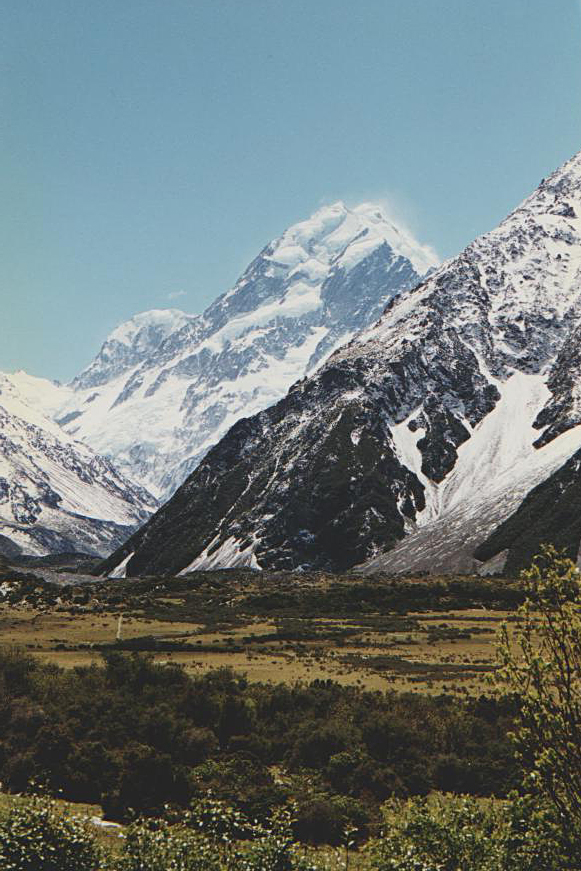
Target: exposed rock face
<point x="414" y="441"/>
<point x="57" y="495"/>
<point x="166" y="386"/>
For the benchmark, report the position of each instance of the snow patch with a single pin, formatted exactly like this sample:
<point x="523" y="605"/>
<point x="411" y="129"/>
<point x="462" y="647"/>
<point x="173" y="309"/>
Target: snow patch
<point x="228" y="556"/>
<point x="120" y="571"/>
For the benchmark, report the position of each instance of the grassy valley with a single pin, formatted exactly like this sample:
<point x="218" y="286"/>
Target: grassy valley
<point x="419" y="633"/>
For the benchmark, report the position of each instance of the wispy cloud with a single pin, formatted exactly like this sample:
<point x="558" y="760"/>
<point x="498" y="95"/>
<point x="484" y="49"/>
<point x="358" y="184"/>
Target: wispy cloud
<point x="175" y="294"/>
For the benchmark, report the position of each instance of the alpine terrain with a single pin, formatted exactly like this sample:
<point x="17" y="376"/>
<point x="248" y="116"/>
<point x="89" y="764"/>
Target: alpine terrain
<point x="445" y="436"/>
<point x="56" y="494"/>
<point x="166" y="386"/>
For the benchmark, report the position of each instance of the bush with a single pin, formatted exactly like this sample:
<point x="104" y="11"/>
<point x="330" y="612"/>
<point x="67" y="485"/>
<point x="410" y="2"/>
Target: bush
<point x="462" y="834"/>
<point x="275" y="850"/>
<point x="323" y="819"/>
<point x="541" y="664"/>
<point x="36" y="836"/>
<point x="157" y="846"/>
<point x="241" y="781"/>
<point x="136" y="736"/>
<point x="425" y="834"/>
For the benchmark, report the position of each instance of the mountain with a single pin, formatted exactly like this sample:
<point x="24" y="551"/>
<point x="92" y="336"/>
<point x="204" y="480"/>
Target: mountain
<point x="166" y="386"/>
<point x="413" y="443"/>
<point x="550" y="512"/>
<point x="57" y="495"/>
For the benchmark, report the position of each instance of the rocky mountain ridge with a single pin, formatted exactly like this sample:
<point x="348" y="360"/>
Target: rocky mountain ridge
<point x="58" y="495"/>
<point x="414" y="441"/>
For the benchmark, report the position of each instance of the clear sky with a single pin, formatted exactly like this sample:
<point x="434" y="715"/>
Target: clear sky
<point x="150" y="148"/>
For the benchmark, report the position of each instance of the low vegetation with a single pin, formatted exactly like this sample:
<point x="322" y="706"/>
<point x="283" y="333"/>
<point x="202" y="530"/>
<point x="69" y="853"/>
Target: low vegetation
<point x="431" y="635"/>
<point x="218" y="773"/>
<point x="134" y="736"/>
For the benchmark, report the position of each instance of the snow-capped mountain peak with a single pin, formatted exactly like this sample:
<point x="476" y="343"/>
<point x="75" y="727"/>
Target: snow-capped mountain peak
<point x="343" y="236"/>
<point x="166" y="385"/>
<point x="32" y="398"/>
<point x="149" y="327"/>
<point x="130" y="343"/>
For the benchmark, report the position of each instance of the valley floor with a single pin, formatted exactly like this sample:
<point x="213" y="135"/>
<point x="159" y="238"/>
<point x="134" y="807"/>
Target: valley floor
<point x="429" y="635"/>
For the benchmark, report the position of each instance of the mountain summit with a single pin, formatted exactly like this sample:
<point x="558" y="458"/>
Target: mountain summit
<point x="166" y="386"/>
<point x="413" y="442"/>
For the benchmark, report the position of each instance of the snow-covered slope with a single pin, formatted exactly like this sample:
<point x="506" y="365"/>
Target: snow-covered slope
<point x="409" y="446"/>
<point x="57" y="494"/>
<point x="38" y="394"/>
<point x="166" y="386"/>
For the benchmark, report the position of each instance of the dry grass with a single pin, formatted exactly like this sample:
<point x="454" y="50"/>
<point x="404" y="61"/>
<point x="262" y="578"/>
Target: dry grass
<point x="427" y="657"/>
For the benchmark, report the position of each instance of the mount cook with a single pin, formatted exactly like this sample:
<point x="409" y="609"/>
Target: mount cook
<point x="166" y="385"/>
<point x="421" y="442"/>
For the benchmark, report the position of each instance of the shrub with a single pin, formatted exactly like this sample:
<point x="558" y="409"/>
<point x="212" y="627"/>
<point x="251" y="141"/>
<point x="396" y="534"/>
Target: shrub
<point x="323" y="818"/>
<point x="422" y="834"/>
<point x="275" y="850"/>
<point x="462" y="834"/>
<point x="156" y="845"/>
<point x="541" y="664"/>
<point x="35" y="835"/>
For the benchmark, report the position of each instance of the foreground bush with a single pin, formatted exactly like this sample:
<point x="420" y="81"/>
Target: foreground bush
<point x="461" y="834"/>
<point x="440" y="833"/>
<point x="541" y="665"/>
<point x="36" y="836"/>
<point x="157" y="846"/>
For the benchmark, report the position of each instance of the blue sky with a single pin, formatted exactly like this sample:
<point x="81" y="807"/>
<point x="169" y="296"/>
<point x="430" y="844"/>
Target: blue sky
<point x="150" y="148"/>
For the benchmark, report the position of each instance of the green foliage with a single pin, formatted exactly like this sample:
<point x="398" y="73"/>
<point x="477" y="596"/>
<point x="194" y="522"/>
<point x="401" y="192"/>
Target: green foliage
<point x="207" y="838"/>
<point x="541" y="666"/>
<point x="154" y="845"/>
<point x="462" y="834"/>
<point x="36" y="836"/>
<point x="323" y="819"/>
<point x="425" y="834"/>
<point x="274" y="848"/>
<point x="135" y="736"/>
<point x="440" y="833"/>
<point x="217" y="819"/>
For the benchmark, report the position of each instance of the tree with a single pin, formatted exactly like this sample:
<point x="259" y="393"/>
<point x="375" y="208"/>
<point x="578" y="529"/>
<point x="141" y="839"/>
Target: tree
<point x="540" y="657"/>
